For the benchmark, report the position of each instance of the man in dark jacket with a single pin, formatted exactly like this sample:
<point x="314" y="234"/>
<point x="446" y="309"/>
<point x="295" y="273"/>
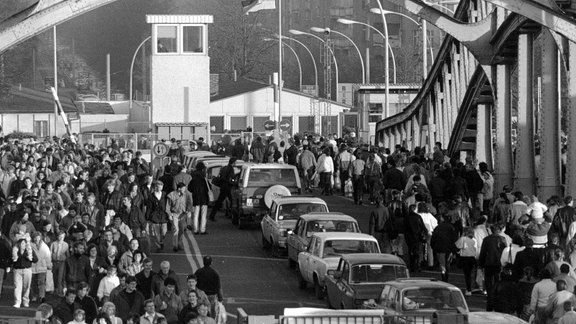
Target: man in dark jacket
<point x="86" y="302"/>
<point x="66" y="307"/>
<point x="158" y="279"/>
<point x="77" y="266"/>
<point x="129" y="301"/>
<point x="145" y="279"/>
<point x="5" y="258"/>
<point x="291" y="153"/>
<point x="377" y="225"/>
<point x="226" y="176"/>
<point x="443" y="243"/>
<point x="564" y="217"/>
<point x="489" y="260"/>
<point x="209" y="282"/>
<point x="415" y="236"/>
<point x="529" y="257"/>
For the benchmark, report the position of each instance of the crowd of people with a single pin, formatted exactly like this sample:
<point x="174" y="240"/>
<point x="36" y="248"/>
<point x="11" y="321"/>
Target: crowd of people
<point x="79" y="223"/>
<point x="438" y="212"/>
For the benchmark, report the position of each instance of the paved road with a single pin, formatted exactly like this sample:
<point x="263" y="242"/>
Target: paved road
<point x="252" y="279"/>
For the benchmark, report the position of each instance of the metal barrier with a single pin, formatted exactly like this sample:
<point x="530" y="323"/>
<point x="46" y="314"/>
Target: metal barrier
<point x="133" y="141"/>
<point x="19" y="320"/>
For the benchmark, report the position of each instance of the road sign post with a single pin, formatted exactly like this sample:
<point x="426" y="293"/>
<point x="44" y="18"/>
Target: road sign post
<point x="285" y="125"/>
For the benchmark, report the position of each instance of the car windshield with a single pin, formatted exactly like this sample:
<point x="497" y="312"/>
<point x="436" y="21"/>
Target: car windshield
<point x="293" y="211"/>
<point x="285" y="177"/>
<point x="335" y="248"/>
<point x="435" y="298"/>
<point x="374" y="273"/>
<point x="331" y="226"/>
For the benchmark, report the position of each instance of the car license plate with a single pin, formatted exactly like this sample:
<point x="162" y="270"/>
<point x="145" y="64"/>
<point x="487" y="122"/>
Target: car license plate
<point x="249" y="202"/>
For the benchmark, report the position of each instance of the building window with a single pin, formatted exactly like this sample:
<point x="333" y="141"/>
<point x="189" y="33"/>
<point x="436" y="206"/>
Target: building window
<point x="306" y="124"/>
<point x="167" y="39"/>
<point x="258" y="124"/>
<point x="375" y="112"/>
<point x="238" y="123"/>
<point x="329" y="125"/>
<point x="41" y="128"/>
<point x="193" y="37"/>
<point x="217" y="124"/>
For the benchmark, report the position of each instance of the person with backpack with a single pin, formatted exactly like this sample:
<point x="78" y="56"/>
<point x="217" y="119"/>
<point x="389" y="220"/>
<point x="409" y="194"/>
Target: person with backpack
<point x="373" y="176"/>
<point x="474" y="182"/>
<point x="379" y="220"/>
<point x="343" y="161"/>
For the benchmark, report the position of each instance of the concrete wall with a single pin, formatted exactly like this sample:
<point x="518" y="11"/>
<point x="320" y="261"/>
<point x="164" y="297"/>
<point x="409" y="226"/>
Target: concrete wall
<point x="97" y="123"/>
<point x="180" y="88"/>
<point x="25" y="123"/>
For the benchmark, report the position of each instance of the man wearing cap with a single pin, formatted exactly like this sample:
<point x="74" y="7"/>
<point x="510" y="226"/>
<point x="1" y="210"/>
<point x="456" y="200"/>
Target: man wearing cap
<point x="179" y="208"/>
<point x="130" y="301"/>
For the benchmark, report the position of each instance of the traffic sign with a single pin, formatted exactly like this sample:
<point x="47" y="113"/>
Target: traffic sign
<point x="269" y="125"/>
<point x="285" y="125"/>
<point x="160" y="150"/>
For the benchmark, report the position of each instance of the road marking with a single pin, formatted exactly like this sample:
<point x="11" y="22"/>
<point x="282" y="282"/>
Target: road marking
<point x="225" y="256"/>
<point x="195" y="246"/>
<point x="236" y="300"/>
<point x="231" y="315"/>
<point x="189" y="253"/>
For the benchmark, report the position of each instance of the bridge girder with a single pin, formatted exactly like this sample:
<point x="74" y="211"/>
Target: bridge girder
<point x="39" y="18"/>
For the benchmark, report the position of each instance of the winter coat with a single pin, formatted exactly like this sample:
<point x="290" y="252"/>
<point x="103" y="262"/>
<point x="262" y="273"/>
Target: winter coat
<point x="44" y="258"/>
<point x="157" y="209"/>
<point x="199" y="189"/>
<point x="444" y="238"/>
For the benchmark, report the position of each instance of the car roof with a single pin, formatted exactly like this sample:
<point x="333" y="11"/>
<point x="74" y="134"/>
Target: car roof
<point x="267" y="166"/>
<point x="299" y="199"/>
<point x="361" y="258"/>
<point x="220" y="162"/>
<point x="327" y="216"/>
<point x="405" y="283"/>
<point x="324" y="236"/>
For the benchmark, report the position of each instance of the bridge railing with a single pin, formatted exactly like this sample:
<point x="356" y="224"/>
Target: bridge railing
<point x="432" y="115"/>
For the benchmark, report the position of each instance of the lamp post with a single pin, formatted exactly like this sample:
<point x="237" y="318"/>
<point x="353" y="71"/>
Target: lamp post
<point x="328" y="30"/>
<point x="311" y="56"/>
<point x="393" y="61"/>
<point x="424" y="36"/>
<point x="132" y="66"/>
<point x="386" y="58"/>
<point x="296" y="55"/>
<point x="439" y="5"/>
<point x="297" y="32"/>
<point x="387" y="43"/>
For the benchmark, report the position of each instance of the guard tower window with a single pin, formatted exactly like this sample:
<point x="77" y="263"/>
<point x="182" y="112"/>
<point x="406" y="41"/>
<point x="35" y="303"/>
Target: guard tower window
<point x="193" y="37"/>
<point x="167" y="39"/>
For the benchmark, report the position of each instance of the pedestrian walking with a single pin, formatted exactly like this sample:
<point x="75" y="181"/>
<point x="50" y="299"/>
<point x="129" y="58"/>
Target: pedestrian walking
<point x="22" y="257"/>
<point x="200" y="189"/>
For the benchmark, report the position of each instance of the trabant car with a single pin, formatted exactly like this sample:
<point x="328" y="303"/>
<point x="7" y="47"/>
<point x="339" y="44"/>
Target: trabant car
<point x="324" y="253"/>
<point x="299" y="238"/>
<point x="282" y="217"/>
<point x="257" y="184"/>
<point x="414" y="296"/>
<point x="361" y="277"/>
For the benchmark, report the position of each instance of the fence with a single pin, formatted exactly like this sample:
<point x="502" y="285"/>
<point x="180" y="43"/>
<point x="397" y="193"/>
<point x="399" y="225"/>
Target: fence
<point x="132" y="141"/>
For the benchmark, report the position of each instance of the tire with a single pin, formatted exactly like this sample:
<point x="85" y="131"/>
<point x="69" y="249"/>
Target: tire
<point x="301" y="282"/>
<point x="318" y="290"/>
<point x="275" y="249"/>
<point x="265" y="243"/>
<point x="328" y="304"/>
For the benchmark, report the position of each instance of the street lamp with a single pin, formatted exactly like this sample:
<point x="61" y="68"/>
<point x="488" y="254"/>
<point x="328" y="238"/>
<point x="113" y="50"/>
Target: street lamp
<point x="311" y="56"/>
<point x="439" y="5"/>
<point x="297" y="32"/>
<point x="328" y="30"/>
<point x="393" y="61"/>
<point x="386" y="57"/>
<point x="424" y="36"/>
<point x="296" y="55"/>
<point x="132" y="66"/>
<point x="387" y="43"/>
<point x="350" y="22"/>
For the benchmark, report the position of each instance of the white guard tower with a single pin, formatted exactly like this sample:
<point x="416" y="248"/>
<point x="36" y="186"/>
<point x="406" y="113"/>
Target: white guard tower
<point x="180" y="76"/>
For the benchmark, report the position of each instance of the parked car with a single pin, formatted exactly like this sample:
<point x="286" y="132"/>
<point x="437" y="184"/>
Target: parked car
<point x="323" y="254"/>
<point x="282" y="216"/>
<point x="361" y="277"/>
<point x="259" y="183"/>
<point x="414" y="296"/>
<point x="189" y="157"/>
<point x="299" y="238"/>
